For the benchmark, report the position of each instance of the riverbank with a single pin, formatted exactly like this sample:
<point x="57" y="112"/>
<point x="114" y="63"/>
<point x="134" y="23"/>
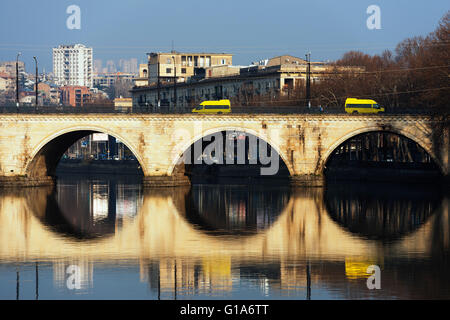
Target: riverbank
<point x="89" y="167"/>
<point x="252" y="173"/>
<point x="235" y="174"/>
<point x="383" y="175"/>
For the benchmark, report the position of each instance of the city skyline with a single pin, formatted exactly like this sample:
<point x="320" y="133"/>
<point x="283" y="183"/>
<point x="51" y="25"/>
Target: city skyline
<point x="251" y="31"/>
<point x="102" y="66"/>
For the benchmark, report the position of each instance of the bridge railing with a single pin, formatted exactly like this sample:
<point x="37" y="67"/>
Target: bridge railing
<point x="188" y="110"/>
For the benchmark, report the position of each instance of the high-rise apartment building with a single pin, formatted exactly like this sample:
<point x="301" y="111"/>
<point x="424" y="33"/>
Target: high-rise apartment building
<point x="73" y="65"/>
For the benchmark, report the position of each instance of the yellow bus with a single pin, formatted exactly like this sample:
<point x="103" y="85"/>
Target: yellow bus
<point x="353" y="105"/>
<point x="213" y="106"/>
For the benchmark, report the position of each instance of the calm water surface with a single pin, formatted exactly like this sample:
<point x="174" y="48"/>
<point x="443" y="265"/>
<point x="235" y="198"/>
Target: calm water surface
<point x="223" y="241"/>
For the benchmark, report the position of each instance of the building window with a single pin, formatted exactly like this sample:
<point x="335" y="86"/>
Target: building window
<point x="183" y="70"/>
<point x="168" y="70"/>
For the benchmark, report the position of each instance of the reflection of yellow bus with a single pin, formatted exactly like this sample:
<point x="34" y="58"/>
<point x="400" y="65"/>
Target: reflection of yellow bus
<point x="356" y="269"/>
<point x="353" y="105"/>
<point x="214" y="106"/>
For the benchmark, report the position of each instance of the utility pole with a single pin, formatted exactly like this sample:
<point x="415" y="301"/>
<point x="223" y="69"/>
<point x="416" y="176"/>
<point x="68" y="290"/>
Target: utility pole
<point x="175" y="83"/>
<point x="37" y="82"/>
<point x="159" y="87"/>
<point x="308" y="79"/>
<point x="17" y="81"/>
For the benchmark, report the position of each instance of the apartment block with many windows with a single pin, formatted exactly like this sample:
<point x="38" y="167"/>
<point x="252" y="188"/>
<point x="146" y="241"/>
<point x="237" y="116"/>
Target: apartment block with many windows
<point x="73" y="65"/>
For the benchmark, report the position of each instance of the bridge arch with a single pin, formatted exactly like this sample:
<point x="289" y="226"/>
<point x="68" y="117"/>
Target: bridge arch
<point x="45" y="156"/>
<point x="182" y="148"/>
<point x="419" y="140"/>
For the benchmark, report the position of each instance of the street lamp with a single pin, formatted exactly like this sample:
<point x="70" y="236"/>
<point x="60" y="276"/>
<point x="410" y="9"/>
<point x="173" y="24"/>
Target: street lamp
<point x="37" y="81"/>
<point x="17" y="80"/>
<point x="308" y="79"/>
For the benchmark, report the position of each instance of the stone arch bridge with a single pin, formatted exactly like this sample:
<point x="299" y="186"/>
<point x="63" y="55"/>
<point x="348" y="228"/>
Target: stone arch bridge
<point x="31" y="145"/>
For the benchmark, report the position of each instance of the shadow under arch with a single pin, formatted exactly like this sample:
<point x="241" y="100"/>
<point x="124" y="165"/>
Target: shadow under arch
<point x="184" y="147"/>
<point x="378" y="129"/>
<point x="44" y="159"/>
<point x="386" y="212"/>
<point x="391" y="156"/>
<point x="283" y="167"/>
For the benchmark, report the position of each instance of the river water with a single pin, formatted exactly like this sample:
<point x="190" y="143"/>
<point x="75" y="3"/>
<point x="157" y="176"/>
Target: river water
<point x="108" y="238"/>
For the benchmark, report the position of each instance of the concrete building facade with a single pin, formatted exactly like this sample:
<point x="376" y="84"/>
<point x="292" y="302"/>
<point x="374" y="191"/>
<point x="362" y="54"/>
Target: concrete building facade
<point x="182" y="66"/>
<point x="73" y="65"/>
<point x="241" y="84"/>
<point x="7" y="82"/>
<point x="142" y="79"/>
<point x="75" y="96"/>
<point x="123" y="104"/>
<point x="109" y="79"/>
<point x="9" y="67"/>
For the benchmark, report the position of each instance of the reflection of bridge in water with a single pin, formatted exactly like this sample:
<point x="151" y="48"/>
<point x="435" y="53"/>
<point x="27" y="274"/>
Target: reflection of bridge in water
<point x="175" y="253"/>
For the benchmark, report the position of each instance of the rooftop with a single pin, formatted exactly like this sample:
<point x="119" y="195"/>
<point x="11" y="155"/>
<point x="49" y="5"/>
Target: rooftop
<point x="71" y="46"/>
<point x="189" y="53"/>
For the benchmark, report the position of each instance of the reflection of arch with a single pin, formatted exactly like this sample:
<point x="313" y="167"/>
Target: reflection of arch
<point x="46" y="155"/>
<point x="54" y="207"/>
<point x="244" y="210"/>
<point x="56" y="220"/>
<point x="420" y="142"/>
<point x="185" y="146"/>
<point x="380" y="211"/>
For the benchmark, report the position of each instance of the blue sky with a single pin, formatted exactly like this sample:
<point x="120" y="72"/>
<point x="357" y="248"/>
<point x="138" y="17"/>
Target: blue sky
<point x="251" y="30"/>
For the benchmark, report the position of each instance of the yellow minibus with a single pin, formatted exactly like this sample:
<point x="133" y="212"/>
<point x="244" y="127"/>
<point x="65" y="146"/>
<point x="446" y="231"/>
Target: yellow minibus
<point x="353" y="105"/>
<point x="213" y="106"/>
